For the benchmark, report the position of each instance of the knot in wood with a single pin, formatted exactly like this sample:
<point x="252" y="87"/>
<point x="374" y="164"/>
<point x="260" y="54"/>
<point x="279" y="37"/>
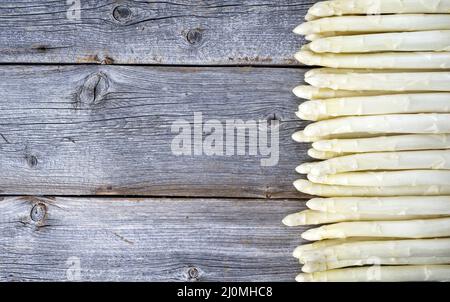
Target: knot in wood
<point x="38" y="212"/>
<point x="194" y="36"/>
<point x="193" y="274"/>
<point x="32" y="161"/>
<point x="94" y="89"/>
<point x="122" y="13"/>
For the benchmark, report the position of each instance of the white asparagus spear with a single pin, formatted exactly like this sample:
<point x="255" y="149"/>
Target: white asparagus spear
<point x="383" y="124"/>
<point x="398" y="205"/>
<point x="323" y="35"/>
<point x="393" y="248"/>
<point x="381" y="273"/>
<point x="379" y="23"/>
<point x="438" y="40"/>
<point x="385" y="60"/>
<point x="314" y="93"/>
<point x="313" y="37"/>
<point x="311" y="188"/>
<point x="310" y="217"/>
<point x="317" y="245"/>
<point x="406" y="160"/>
<point x="313" y="267"/>
<point x="323" y="155"/>
<point x="375" y="105"/>
<point x="302" y="138"/>
<point x="385" y="178"/>
<point x="362" y="7"/>
<point x="385" y="143"/>
<point x="346" y="79"/>
<point x="309" y="17"/>
<point x="424" y="228"/>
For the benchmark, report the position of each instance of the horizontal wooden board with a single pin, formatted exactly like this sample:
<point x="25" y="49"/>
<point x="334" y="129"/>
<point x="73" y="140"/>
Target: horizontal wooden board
<point x="107" y="130"/>
<point x="230" y="32"/>
<point x="111" y="239"/>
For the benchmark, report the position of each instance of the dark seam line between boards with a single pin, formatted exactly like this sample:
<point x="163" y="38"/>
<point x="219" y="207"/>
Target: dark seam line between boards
<point x="158" y="65"/>
<point x="153" y="197"/>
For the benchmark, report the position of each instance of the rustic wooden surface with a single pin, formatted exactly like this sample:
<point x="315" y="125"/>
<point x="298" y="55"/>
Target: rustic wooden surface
<point x="152" y="32"/>
<point x="95" y="140"/>
<point x="58" y="138"/>
<point x="147" y="239"/>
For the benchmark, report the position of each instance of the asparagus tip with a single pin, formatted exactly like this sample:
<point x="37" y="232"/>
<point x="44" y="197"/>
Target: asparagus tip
<point x="303" y="278"/>
<point x="303" y="168"/>
<point x="299" y="30"/>
<point x="312" y="235"/>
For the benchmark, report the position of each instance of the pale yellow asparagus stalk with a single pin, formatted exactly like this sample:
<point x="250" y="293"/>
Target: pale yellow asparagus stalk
<point x="424" y="228"/>
<point x="379" y="23"/>
<point x="383" y="124"/>
<point x="375" y="105"/>
<point x="398" y="205"/>
<point x="384" y="143"/>
<point x="310" y="217"/>
<point x="302" y="138"/>
<point x="385" y="178"/>
<point x="313" y="267"/>
<point x="328" y="71"/>
<point x="405" y="160"/>
<point x="352" y="79"/>
<point x="318" y="245"/>
<point x="313" y="37"/>
<point x="309" y="17"/>
<point x="322" y="35"/>
<point x="362" y="7"/>
<point x="323" y="155"/>
<point x="438" y="40"/>
<point x="314" y="93"/>
<point x="385" y="60"/>
<point x="381" y="273"/>
<point x="311" y="188"/>
<point x="392" y="248"/>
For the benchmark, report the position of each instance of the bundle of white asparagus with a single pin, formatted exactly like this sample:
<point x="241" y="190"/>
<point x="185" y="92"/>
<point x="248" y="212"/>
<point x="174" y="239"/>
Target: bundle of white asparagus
<point x="380" y="112"/>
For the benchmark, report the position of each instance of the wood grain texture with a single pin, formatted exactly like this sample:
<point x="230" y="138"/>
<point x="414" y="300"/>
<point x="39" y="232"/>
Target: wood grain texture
<point x="229" y="32"/>
<point x="106" y="130"/>
<point x="147" y="239"/>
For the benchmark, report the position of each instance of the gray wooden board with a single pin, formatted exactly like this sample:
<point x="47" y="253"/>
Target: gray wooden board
<point x="106" y="130"/>
<point x="230" y="32"/>
<point x="113" y="239"/>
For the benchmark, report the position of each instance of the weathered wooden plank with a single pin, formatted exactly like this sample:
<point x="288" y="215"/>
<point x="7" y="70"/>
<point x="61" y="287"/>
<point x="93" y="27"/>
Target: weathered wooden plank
<point x="146" y="239"/>
<point x="151" y="32"/>
<point x="93" y="129"/>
